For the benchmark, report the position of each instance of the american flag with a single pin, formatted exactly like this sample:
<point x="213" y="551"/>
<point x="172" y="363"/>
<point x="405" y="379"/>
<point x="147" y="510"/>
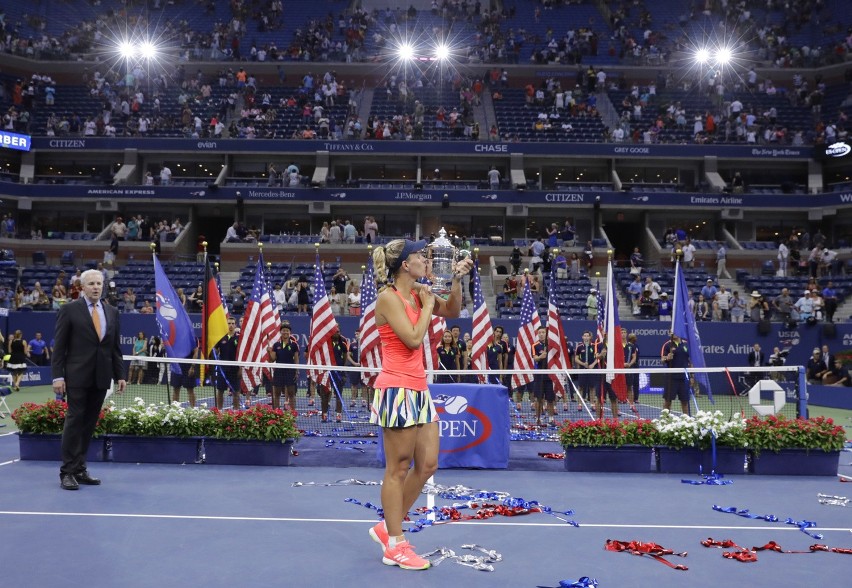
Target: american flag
<point x="557" y="352"/>
<point x="259" y="329"/>
<point x="601" y="315"/>
<point x="433" y="335"/>
<point x="614" y="344"/>
<point x="527" y="338"/>
<point x="323" y="326"/>
<point x="371" y="345"/>
<point x="482" y="331"/>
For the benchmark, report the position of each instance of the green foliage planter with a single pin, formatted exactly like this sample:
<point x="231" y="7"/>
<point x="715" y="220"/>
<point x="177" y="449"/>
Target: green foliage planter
<point x="165" y="433"/>
<point x="48" y="447"/>
<point x="796" y="462"/>
<point x="135" y="449"/>
<point x="692" y="460"/>
<point x="236" y="452"/>
<point x="609" y="458"/>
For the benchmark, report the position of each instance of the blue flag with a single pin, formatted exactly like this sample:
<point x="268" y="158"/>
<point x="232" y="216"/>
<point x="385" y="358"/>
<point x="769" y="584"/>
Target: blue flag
<point x="684" y="326"/>
<point x="175" y="327"/>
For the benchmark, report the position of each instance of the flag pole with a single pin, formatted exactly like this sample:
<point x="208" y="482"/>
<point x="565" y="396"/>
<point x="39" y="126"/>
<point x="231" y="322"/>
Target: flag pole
<point x="153" y="247"/>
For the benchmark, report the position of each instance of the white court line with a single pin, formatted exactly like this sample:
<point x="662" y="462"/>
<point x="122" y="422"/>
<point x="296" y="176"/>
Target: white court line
<point x="9" y="433"/>
<point x="362" y="521"/>
<point x="8" y="462"/>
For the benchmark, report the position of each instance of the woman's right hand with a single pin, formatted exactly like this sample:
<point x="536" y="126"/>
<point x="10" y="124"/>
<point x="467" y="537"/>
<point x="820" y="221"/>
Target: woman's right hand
<point x="427" y="298"/>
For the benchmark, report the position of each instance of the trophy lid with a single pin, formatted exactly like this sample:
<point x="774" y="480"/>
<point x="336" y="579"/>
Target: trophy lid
<point x="441" y="240"/>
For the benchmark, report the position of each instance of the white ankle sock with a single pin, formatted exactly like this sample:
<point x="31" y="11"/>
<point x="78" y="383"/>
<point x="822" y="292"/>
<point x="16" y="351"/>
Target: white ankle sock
<point x="394" y="541"/>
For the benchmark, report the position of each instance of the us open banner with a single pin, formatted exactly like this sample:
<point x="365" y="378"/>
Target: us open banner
<point x="474" y="426"/>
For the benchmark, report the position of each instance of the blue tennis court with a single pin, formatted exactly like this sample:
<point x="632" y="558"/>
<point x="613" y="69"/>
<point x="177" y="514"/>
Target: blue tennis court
<point x="191" y="525"/>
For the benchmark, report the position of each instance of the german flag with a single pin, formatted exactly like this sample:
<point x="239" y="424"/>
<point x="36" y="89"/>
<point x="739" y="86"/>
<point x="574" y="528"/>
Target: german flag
<point x="215" y="323"/>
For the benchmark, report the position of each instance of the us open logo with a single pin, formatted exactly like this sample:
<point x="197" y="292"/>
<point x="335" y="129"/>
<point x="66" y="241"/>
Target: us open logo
<point x="460" y="421"/>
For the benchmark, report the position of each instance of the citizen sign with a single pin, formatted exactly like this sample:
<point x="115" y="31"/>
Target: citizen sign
<point x="564" y="197"/>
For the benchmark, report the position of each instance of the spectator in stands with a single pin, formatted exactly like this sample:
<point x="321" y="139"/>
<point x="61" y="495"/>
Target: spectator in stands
<point x="783" y="305"/>
<point x="737" y="307"/>
<point x="722" y="261"/>
<point x="805" y="307"/>
<point x="536" y="251"/>
<point x="165" y="176"/>
<point x="688" y="253"/>
<point x="40" y="299"/>
<point x="349" y="232"/>
<point x="7" y="227"/>
<point x="303" y="295"/>
<point x="371" y="229"/>
<point x="324" y="233"/>
<point x="592" y="304"/>
<point x="737" y="183"/>
<point x="783" y="256"/>
<point x="334" y="233"/>
<point x="272" y="177"/>
<point x="723" y="303"/>
<point x="129" y="298"/>
<point x="709" y="290"/>
<point x="146" y="308"/>
<point x="703" y="311"/>
<point x="494" y="178"/>
<point x="6" y="298"/>
<point x="232" y="235"/>
<point x="589" y="256"/>
<point x="653" y="288"/>
<point x="827" y="262"/>
<point x="238" y="299"/>
<point x="59" y="294"/>
<point x="636" y="262"/>
<point x="664" y="307"/>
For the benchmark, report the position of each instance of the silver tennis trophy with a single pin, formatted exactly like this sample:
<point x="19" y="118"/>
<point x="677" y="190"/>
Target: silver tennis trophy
<point x="443" y="256"/>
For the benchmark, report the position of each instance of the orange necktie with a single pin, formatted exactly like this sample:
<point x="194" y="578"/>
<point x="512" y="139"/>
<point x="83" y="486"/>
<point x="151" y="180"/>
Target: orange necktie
<point x="96" y="319"/>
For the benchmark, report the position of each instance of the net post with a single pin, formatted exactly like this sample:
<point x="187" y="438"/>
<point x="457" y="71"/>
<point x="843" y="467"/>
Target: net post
<point x="802" y="404"/>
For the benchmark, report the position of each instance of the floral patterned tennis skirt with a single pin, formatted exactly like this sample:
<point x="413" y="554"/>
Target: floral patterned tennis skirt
<point x="395" y="408"/>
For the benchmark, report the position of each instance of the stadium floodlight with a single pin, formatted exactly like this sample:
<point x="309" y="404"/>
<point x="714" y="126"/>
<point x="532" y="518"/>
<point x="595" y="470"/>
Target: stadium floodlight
<point x="442" y="52"/>
<point x="127" y="49"/>
<point x="723" y="56"/>
<point x="702" y="56"/>
<point x="148" y="50"/>
<point x="406" y="52"/>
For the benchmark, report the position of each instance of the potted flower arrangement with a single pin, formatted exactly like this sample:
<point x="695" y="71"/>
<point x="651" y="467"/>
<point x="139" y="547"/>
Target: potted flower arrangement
<point x="708" y="441"/>
<point x="608" y="445"/>
<point x="40" y="431"/>
<point x="259" y="435"/>
<point x="154" y="433"/>
<point x="165" y="433"/>
<point x="780" y="445"/>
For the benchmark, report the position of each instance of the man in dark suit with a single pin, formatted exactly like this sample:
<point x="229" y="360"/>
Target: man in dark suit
<point x="86" y="359"/>
<point x="756" y="357"/>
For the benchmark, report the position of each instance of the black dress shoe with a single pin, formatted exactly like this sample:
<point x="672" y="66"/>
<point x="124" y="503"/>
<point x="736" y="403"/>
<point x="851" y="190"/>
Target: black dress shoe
<point x="67" y="482"/>
<point x="84" y="478"/>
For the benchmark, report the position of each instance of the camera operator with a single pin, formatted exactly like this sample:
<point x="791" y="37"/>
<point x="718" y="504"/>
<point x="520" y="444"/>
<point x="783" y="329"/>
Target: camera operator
<point x="112" y="295"/>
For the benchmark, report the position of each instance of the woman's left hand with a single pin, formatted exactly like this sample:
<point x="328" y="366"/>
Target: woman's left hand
<point x="463" y="267"/>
